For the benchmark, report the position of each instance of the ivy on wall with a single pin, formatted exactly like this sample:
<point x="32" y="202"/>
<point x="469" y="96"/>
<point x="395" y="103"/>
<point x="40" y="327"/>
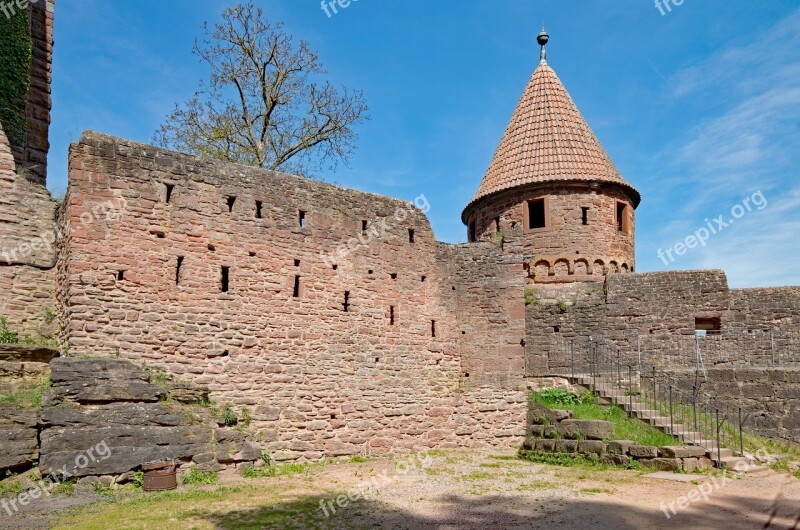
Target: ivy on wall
<point x="16" y="48"/>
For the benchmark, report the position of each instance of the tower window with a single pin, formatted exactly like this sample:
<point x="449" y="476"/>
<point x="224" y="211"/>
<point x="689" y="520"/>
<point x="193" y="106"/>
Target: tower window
<point x="231" y="202"/>
<point x="259" y="209"/>
<point x="296" y="290"/>
<point x="622" y="217"/>
<point x="707" y="326"/>
<point x="391" y="315"/>
<point x="346" y="304"/>
<point x="585" y="215"/>
<point x="410" y="235"/>
<point x="363" y="228"/>
<point x="471" y="232"/>
<point x="302" y="218"/>
<point x="433" y="328"/>
<point x="537" y="215"/>
<point x="496" y="224"/>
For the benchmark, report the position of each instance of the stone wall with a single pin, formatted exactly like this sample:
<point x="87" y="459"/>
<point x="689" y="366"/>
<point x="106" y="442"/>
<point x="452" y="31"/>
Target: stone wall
<point x="567" y="250"/>
<point x="349" y="365"/>
<point x="27" y="246"/>
<point x="651" y="317"/>
<point x="32" y="154"/>
<point x="27" y="212"/>
<point x="771" y="398"/>
<point x="483" y="291"/>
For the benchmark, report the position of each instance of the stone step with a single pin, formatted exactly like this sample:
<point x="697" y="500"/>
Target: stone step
<point x="730" y="462"/>
<point x="723" y="453"/>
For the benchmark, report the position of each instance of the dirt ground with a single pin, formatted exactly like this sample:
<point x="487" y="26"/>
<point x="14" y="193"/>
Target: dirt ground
<point x="448" y="490"/>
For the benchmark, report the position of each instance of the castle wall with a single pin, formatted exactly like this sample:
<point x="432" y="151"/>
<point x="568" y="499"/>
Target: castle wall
<point x="317" y="380"/>
<point x="484" y="288"/>
<point x="27" y="248"/>
<point x="32" y="153"/>
<point x="651" y="317"/>
<point x="566" y="250"/>
<point x="769" y="398"/>
<point x="27" y="228"/>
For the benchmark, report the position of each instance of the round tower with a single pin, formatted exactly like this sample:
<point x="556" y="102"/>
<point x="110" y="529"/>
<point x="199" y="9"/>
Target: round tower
<point x="553" y="190"/>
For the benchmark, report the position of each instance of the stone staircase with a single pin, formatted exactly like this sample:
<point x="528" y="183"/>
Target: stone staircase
<point x="722" y="457"/>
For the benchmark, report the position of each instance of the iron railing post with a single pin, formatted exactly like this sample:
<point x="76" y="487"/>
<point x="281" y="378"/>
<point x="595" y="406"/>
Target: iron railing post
<point x="719" y="441"/>
<point x="671" y="423"/>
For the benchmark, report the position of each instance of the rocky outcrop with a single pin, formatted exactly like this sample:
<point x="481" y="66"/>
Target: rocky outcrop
<point x="19" y="449"/>
<point x="108" y="417"/>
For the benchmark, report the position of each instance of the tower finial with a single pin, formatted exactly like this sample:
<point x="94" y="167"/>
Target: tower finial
<point x="543" y="39"/>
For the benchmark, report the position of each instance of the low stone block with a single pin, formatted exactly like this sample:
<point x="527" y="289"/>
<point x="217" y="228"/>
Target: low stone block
<point x="615" y="459"/>
<point x="546" y="445"/>
<point x="704" y="463"/>
<point x="592" y="446"/>
<point x="537" y="431"/>
<point x="689" y="465"/>
<point x="681" y="451"/>
<point x="643" y="451"/>
<point x="566" y="446"/>
<point x="662" y="464"/>
<point x="562" y="415"/>
<point x="538" y="414"/>
<point x="619" y="447"/>
<point x="592" y="429"/>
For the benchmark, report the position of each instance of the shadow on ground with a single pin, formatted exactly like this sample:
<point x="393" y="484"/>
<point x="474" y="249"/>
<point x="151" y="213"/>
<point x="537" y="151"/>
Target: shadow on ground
<point x="500" y="512"/>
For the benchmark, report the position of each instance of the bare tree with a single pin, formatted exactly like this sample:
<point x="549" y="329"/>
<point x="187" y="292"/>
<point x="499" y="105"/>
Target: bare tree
<point x="264" y="104"/>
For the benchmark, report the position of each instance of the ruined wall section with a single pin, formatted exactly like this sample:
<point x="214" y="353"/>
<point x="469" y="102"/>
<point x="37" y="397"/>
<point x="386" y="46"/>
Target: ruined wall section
<point x="485" y="289"/>
<point x="27" y="228"/>
<point x="349" y="365"/>
<point x="32" y="154"/>
<point x="27" y="248"/>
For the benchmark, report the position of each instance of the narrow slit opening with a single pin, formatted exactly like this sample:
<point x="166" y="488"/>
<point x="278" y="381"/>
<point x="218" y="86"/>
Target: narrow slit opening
<point x="120" y="275"/>
<point x="225" y="287"/>
<point x="433" y="328"/>
<point x="346" y="304"/>
<point x="168" y="196"/>
<point x="296" y="291"/>
<point x="231" y="202"/>
<point x="411" y="233"/>
<point x="178" y="270"/>
<point x="391" y="315"/>
<point x="259" y="209"/>
<point x="302" y="219"/>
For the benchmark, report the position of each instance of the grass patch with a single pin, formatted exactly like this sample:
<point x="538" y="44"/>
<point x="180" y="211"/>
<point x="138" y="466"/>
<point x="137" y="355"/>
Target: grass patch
<point x="197" y="477"/>
<point x="30" y="395"/>
<point x="585" y="408"/>
<point x="11" y="487"/>
<point x="477" y="475"/>
<point x="592" y="491"/>
<point x="537" y="485"/>
<point x="358" y="459"/>
<point x="286" y="470"/>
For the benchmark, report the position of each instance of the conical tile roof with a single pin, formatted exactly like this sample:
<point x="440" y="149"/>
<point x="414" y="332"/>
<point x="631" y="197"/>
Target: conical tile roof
<point x="548" y="140"/>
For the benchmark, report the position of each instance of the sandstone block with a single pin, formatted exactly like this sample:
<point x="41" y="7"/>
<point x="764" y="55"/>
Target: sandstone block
<point x="643" y="451"/>
<point x="591" y="429"/>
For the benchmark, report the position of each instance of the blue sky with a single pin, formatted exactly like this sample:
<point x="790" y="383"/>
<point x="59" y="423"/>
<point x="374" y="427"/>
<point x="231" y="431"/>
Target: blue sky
<point x="699" y="108"/>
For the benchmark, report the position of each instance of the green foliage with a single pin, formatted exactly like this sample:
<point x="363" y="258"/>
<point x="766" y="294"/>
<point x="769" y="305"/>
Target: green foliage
<point x="286" y="470"/>
<point x="561" y="306"/>
<point x="49" y="315"/>
<point x="530" y="297"/>
<point x="6" y="335"/>
<point x="11" y="487"/>
<point x="585" y="407"/>
<point x="29" y="396"/>
<point x="16" y="49"/>
<point x="195" y="477"/>
<point x="499" y="238"/>
<point x="358" y="459"/>
<point x="558" y="396"/>
<point x="64" y="488"/>
<point x="138" y="480"/>
<point x="229" y="416"/>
